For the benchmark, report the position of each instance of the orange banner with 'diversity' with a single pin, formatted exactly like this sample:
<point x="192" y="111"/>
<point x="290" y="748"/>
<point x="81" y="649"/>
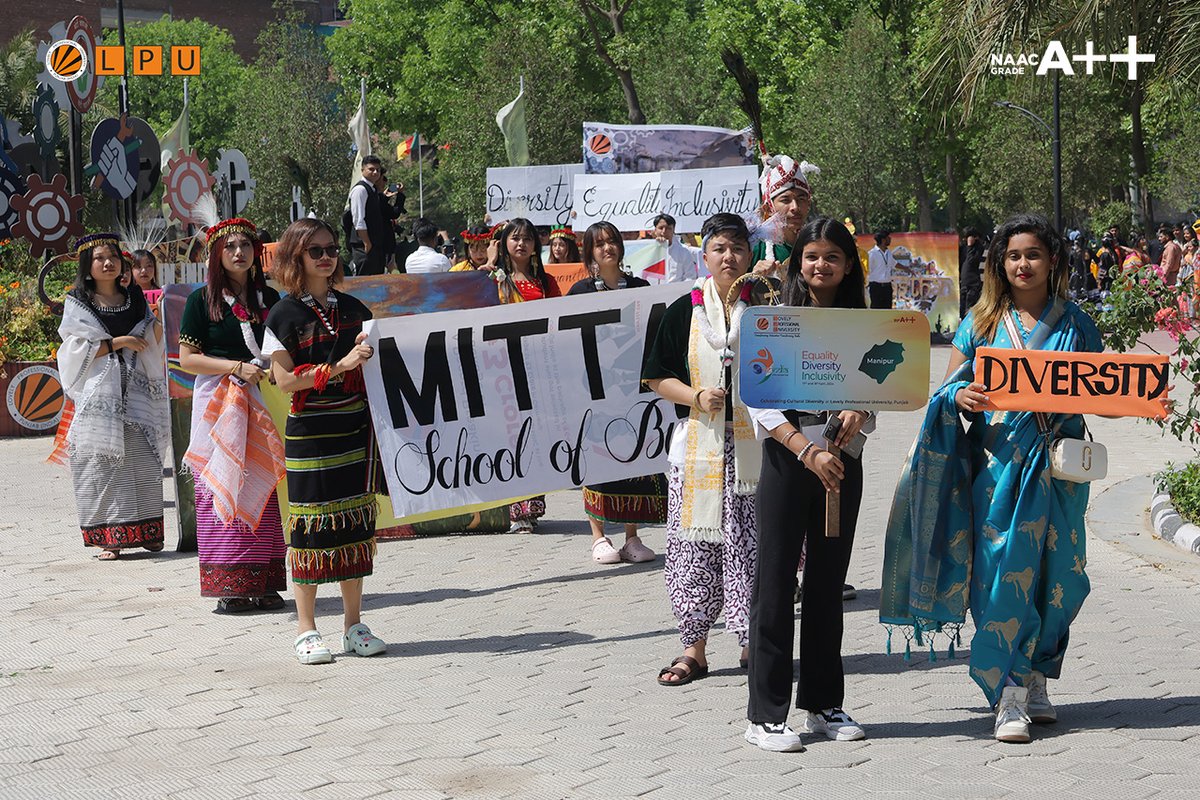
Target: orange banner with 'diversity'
<point x="1112" y="384"/>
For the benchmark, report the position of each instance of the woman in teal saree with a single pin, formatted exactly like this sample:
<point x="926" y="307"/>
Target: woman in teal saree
<point x="977" y="520"/>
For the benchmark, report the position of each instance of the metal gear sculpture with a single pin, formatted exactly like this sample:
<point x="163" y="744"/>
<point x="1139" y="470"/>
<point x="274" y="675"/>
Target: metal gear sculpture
<point x="45" y="121"/>
<point x="187" y="180"/>
<point x="47" y="216"/>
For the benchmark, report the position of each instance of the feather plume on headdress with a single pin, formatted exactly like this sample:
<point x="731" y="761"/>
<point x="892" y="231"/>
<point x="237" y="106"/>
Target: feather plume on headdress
<point x="146" y="233"/>
<point x="204" y="211"/>
<point x="747" y="81"/>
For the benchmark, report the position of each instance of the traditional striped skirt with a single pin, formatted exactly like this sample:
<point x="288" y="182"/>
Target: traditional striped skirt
<point x="632" y="500"/>
<point x="234" y="560"/>
<point x="121" y="505"/>
<point x="331" y="474"/>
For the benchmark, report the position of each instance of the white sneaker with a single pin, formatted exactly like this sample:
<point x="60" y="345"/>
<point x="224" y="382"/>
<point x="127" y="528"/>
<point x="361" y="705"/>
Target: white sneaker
<point x="603" y="552"/>
<point x="775" y="737"/>
<point x="836" y="724"/>
<point x="361" y="641"/>
<point x="1040" y="708"/>
<point x="311" y="649"/>
<point x="1012" y="715"/>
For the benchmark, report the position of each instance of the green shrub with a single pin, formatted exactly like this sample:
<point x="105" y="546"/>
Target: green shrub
<point x="1182" y="483"/>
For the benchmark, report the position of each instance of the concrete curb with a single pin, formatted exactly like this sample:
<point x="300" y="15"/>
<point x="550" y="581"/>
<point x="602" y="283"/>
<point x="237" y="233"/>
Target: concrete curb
<point x="1172" y="528"/>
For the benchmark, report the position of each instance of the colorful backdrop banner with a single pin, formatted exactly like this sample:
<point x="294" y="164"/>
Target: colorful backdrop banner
<point x="475" y="407"/>
<point x="543" y="195"/>
<point x="691" y="196"/>
<point x="925" y="277"/>
<point x="833" y="358"/>
<point x="612" y="149"/>
<point x="1113" y="384"/>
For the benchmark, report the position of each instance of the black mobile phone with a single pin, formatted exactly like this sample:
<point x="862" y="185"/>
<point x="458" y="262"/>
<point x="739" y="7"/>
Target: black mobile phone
<point x="852" y="448"/>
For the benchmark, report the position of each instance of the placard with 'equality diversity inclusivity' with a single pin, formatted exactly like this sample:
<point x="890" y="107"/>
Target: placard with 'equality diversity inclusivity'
<point x="832" y="358"/>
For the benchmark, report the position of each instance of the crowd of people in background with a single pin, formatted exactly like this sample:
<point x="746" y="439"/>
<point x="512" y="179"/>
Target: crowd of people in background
<point x="745" y="494"/>
<point x="1097" y="261"/>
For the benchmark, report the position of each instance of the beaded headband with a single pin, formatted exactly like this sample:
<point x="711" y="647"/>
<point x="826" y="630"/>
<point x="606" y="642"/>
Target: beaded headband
<point x="476" y="237"/>
<point x="228" y="226"/>
<point x="96" y="240"/>
<point x="562" y="233"/>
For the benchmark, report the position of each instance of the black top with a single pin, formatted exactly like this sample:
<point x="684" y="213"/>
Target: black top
<point x="668" y="355"/>
<point x="588" y="285"/>
<point x="118" y="321"/>
<point x="219" y="339"/>
<point x="304" y="335"/>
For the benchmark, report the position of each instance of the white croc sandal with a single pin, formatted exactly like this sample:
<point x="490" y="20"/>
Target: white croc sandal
<point x="361" y="641"/>
<point x="311" y="649"/>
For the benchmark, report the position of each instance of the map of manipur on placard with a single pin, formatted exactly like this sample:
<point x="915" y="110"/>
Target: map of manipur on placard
<point x="881" y="360"/>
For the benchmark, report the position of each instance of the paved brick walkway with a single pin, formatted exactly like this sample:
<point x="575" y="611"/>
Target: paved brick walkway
<point x="520" y="669"/>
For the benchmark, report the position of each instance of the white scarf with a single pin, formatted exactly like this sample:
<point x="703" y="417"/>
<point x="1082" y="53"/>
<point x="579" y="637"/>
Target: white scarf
<point x="712" y="341"/>
<point x="94" y="384"/>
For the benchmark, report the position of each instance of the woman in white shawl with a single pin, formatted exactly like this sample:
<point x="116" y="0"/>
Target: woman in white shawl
<point x="113" y="369"/>
<point x="711" y="545"/>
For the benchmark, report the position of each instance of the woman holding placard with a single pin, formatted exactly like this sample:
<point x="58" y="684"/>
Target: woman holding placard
<point x="714" y="457"/>
<point x="317" y="348"/>
<point x="798" y="471"/>
<point x="633" y="501"/>
<point x="1009" y="536"/>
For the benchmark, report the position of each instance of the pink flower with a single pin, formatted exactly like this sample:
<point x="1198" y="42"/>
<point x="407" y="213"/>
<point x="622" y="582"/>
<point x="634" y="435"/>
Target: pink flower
<point x="697" y="297"/>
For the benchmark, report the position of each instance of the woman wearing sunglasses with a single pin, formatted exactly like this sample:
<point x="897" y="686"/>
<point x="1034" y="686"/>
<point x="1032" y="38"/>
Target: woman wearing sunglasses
<point x="238" y="532"/>
<point x="317" y="347"/>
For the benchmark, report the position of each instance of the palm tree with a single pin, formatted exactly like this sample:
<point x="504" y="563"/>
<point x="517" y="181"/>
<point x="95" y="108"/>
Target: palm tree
<point x="966" y="33"/>
<point x="19" y="69"/>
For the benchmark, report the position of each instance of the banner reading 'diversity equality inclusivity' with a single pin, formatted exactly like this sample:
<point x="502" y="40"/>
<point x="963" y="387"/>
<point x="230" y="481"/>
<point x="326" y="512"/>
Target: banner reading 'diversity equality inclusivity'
<point x="479" y="406"/>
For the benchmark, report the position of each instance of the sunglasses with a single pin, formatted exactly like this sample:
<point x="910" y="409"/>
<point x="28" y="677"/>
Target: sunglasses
<point x="316" y="252"/>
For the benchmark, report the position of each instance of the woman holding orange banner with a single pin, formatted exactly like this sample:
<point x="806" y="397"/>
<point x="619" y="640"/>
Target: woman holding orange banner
<point x="235" y="454"/>
<point x="1009" y="538"/>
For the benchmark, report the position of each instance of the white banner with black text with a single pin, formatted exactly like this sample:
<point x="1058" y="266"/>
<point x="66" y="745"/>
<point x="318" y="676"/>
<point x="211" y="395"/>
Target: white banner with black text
<point x="489" y="404"/>
<point x="689" y="195"/>
<point x="541" y="195"/>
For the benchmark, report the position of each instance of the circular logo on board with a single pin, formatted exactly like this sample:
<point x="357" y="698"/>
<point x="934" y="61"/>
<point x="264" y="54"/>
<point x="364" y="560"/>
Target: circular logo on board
<point x="66" y="60"/>
<point x="762" y="323"/>
<point x="35" y="398"/>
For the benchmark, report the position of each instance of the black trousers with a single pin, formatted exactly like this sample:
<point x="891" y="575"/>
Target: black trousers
<point x="881" y="294"/>
<point x="791" y="508"/>
<point x="364" y="263"/>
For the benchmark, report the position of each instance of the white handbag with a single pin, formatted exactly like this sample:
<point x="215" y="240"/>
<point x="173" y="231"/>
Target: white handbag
<point x="1075" y="460"/>
<point x="1078" y="460"/>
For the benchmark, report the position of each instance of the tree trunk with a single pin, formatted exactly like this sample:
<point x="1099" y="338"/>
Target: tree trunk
<point x="921" y="188"/>
<point x="615" y="17"/>
<point x="634" y="106"/>
<point x="1138" y="154"/>
<point x="953" y="191"/>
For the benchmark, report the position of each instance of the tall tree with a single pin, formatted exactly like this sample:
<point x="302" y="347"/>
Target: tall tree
<point x="607" y="29"/>
<point x="968" y="33"/>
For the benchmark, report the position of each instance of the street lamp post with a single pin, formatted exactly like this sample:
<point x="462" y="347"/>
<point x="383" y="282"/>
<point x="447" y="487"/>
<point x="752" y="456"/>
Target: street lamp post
<point x="1055" y="146"/>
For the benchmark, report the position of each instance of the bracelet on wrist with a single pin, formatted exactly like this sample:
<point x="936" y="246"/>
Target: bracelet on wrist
<point x="788" y="437"/>
<point x="696" y="400"/>
<point x="804" y="451"/>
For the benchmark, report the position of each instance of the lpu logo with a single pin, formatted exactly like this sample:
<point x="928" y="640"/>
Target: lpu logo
<point x="66" y="60"/>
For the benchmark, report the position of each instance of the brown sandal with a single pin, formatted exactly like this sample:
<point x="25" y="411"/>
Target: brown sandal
<point x="694" y="672"/>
